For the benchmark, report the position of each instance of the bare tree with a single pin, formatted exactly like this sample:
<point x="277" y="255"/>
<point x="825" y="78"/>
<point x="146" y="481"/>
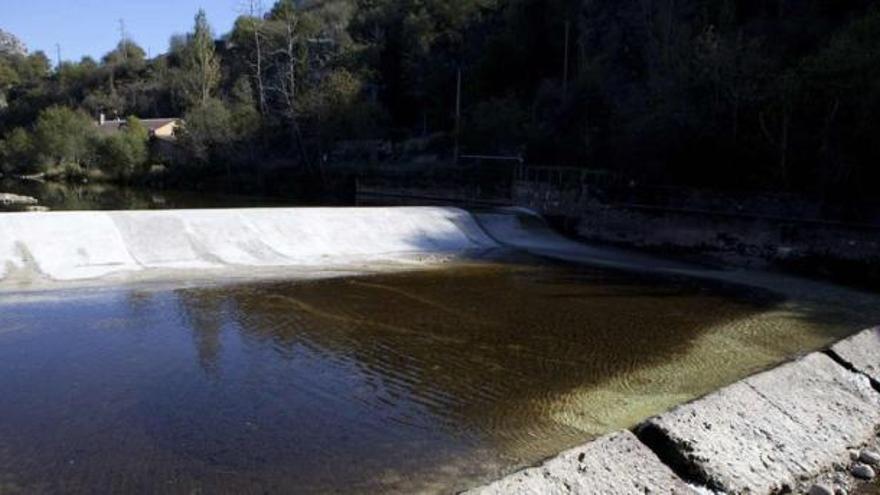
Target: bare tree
<point x="287" y="82"/>
<point x="254" y="11"/>
<point x="785" y="91"/>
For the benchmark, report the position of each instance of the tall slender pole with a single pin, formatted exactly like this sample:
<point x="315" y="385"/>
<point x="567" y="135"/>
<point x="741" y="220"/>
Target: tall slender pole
<point x="457" y="115"/>
<point x="123" y="36"/>
<point x="565" y="61"/>
<point x="58" y="53"/>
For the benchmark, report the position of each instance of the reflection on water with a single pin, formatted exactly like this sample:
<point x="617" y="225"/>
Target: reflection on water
<point x="67" y="196"/>
<point x="427" y="381"/>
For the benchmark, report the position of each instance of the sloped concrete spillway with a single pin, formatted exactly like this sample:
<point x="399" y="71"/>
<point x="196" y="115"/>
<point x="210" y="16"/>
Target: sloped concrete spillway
<point x="386" y="380"/>
<point x="45" y="250"/>
<point x="77" y="246"/>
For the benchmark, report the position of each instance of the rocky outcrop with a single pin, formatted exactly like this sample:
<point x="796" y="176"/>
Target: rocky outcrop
<point x="9" y="44"/>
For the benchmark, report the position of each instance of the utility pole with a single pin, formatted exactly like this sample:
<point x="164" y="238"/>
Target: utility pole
<point x="58" y="54"/>
<point x="565" y="61"/>
<point x="124" y="40"/>
<point x="457" y="115"/>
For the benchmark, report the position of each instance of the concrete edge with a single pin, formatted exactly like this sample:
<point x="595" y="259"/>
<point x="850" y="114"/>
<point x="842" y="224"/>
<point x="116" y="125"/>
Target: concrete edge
<point x="860" y="353"/>
<point x="617" y="463"/>
<point x="782" y="430"/>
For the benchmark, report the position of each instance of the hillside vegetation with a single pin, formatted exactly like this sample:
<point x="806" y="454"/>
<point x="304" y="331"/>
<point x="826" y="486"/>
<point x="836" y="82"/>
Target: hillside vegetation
<point x="758" y="94"/>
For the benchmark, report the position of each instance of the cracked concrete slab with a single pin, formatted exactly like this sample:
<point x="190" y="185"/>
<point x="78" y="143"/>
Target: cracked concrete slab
<point x="862" y="352"/>
<point x="614" y="464"/>
<point x="772" y="432"/>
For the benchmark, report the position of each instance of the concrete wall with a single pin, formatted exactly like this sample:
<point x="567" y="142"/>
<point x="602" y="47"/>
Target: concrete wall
<point x="750" y="231"/>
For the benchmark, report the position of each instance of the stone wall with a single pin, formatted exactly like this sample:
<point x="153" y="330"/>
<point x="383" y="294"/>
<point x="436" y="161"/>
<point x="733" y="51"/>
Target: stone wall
<point x="791" y="234"/>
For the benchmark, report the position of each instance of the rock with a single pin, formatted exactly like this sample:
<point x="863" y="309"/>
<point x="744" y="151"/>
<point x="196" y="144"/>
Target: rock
<point x="869" y="457"/>
<point x="853" y="455"/>
<point x="863" y="471"/>
<point x="808" y="413"/>
<point x="9" y="199"/>
<point x="820" y="489"/>
<point x="840" y="491"/>
<point x="614" y="464"/>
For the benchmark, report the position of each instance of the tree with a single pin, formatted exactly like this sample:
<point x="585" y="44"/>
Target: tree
<point x="127" y="54"/>
<point x="842" y="85"/>
<point x="63" y="136"/>
<point x="245" y="117"/>
<point x="123" y="154"/>
<point x="250" y="27"/>
<point x="8" y="79"/>
<point x="201" y="66"/>
<point x="207" y="132"/>
<point x="17" y="153"/>
<point x="282" y="10"/>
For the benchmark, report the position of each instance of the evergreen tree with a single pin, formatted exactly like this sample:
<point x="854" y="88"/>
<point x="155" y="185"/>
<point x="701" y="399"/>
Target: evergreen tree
<point x="201" y="65"/>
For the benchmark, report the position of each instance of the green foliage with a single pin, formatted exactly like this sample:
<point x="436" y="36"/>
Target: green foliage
<point x="124" y="154"/>
<point x="207" y="133"/>
<point x="283" y="9"/>
<point x="730" y="93"/>
<point x="8" y="75"/>
<point x="200" y="71"/>
<point x="63" y="137"/>
<point x="244" y="114"/>
<point x="16" y="153"/>
<point x="127" y="54"/>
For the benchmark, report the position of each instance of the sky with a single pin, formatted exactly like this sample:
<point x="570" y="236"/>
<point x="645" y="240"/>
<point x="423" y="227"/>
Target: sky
<point x="91" y="27"/>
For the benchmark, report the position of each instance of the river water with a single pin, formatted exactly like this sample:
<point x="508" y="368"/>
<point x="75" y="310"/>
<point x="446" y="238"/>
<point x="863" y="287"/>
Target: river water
<point x="65" y="196"/>
<point x="427" y="381"/>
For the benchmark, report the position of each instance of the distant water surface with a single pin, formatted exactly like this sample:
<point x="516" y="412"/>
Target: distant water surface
<point x="66" y="196"/>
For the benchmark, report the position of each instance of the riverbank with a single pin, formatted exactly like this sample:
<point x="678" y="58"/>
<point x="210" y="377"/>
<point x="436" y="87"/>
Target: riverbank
<point x="809" y="425"/>
<point x="751" y="230"/>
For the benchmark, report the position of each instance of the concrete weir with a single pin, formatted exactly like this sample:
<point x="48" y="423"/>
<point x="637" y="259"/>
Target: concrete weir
<point x="79" y="246"/>
<point x="60" y="249"/>
<point x="775" y="432"/>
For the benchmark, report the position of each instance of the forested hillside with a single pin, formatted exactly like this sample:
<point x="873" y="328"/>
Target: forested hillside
<point x="772" y="94"/>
